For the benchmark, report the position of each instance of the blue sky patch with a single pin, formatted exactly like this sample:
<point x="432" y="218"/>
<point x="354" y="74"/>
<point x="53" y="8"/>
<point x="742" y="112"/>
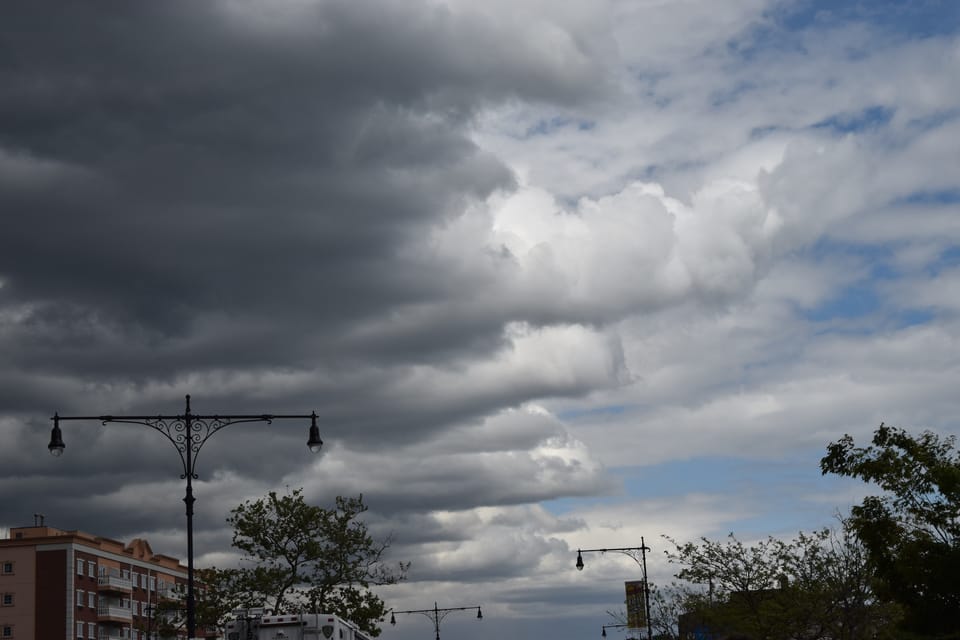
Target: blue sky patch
<point x="552" y="125"/>
<point x="913" y="317"/>
<point x="794" y="483"/>
<point x="855" y="301"/>
<point x="782" y="26"/>
<point x="916" y="18"/>
<point x="937" y="197"/>
<point x="948" y="259"/>
<point x="869" y="118"/>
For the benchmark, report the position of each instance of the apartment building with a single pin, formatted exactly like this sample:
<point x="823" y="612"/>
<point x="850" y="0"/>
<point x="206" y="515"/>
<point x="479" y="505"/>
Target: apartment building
<point x="70" y="585"/>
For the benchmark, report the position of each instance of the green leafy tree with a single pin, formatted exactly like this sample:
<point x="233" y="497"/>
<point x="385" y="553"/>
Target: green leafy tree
<point x="912" y="530"/>
<point x="308" y="558"/>
<point x="815" y="586"/>
<point x="219" y="593"/>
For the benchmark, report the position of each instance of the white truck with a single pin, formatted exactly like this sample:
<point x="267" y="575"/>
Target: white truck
<point x="293" y="626"/>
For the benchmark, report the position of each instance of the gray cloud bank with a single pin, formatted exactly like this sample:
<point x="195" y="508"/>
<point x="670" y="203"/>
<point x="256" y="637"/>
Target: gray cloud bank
<point x="495" y="248"/>
<point x="232" y="200"/>
<point x="227" y="189"/>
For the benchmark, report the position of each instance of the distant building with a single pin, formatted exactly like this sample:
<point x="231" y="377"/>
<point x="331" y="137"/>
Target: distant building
<point x="70" y="585"/>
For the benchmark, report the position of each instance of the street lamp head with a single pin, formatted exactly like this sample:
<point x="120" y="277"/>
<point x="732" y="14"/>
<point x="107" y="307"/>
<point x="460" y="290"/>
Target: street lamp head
<point x="56" y="445"/>
<point x="579" y="561"/>
<point x="393" y="620"/>
<point x="479" y="614"/>
<point x="315" y="443"/>
<point x="196" y="430"/>
<point x="603" y="633"/>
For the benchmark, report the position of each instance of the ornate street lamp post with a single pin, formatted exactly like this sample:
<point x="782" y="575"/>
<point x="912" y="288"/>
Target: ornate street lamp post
<point x="632" y="552"/>
<point x="187" y="432"/>
<point x="437" y="615"/>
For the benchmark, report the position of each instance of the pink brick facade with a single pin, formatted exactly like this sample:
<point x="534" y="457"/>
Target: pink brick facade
<point x="70" y="585"/>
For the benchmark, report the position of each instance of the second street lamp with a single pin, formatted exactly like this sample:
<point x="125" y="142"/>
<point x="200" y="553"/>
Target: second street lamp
<point x="632" y="552"/>
<point x="436" y="614"/>
<point x="187" y="432"/>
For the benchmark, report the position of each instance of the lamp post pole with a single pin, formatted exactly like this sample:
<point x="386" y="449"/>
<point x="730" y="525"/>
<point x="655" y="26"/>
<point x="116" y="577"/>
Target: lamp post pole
<point x="149" y="610"/>
<point x="187" y="432"/>
<point x="642" y="561"/>
<point x="436" y="614"/>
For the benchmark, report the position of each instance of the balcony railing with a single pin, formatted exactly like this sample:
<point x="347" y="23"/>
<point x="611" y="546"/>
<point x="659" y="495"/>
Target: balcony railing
<point x="115" y="611"/>
<point x="170" y="593"/>
<point x="114" y="583"/>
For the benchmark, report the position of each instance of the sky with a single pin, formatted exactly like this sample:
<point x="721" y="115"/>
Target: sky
<point x="552" y="275"/>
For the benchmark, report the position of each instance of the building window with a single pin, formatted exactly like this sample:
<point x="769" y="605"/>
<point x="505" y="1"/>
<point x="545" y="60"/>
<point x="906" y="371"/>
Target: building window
<point x="91" y="599"/>
<point x="79" y="629"/>
<point x="8" y="599"/>
<point x="7" y="631"/>
<point x="92" y="629"/>
<point x="7" y="568"/>
<point x="79" y="598"/>
<point x="91" y="568"/>
<point x="153" y="583"/>
<point x="79" y="567"/>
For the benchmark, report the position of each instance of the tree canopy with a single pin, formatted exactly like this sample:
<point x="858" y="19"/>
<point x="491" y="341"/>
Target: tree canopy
<point x="912" y="530"/>
<point x="299" y="557"/>
<point x="817" y="585"/>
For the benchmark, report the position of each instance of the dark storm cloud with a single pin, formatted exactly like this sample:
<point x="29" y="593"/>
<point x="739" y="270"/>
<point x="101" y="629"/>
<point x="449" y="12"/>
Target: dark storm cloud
<point x="210" y="187"/>
<point x="212" y="197"/>
<point x="191" y="179"/>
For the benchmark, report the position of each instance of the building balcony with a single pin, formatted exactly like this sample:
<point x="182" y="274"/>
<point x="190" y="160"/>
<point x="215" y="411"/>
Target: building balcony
<point x="114" y="583"/>
<point x="114" y="634"/>
<point x="114" y="613"/>
<point x="171" y="593"/>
